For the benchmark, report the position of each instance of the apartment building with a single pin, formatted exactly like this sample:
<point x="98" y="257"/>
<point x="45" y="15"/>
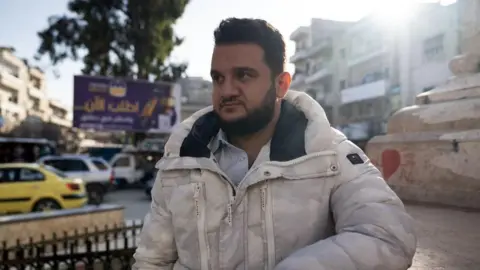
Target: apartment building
<point x="431" y="41"/>
<point x="371" y="69"/>
<point x="23" y="95"/>
<point x="367" y="80"/>
<point x="316" y="61"/>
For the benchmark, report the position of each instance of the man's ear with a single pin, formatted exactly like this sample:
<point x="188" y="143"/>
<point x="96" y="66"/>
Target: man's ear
<point x="283" y="84"/>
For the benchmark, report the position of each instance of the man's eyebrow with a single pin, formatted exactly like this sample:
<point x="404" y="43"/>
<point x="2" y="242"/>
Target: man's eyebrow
<point x="246" y="69"/>
<point x="214" y="72"/>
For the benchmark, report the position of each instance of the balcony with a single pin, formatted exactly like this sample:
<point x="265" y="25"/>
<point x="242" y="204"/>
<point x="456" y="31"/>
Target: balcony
<point x="300" y="33"/>
<point x="10" y="81"/>
<point x="9" y="57"/>
<point x="11" y="107"/>
<point x="37" y="73"/>
<point x="299" y="55"/>
<point x="56" y="105"/>
<point x="60" y="121"/>
<point x="35" y="92"/>
<point x="355" y="60"/>
<point x="364" y="92"/>
<point x="319" y="47"/>
<point x="318" y="72"/>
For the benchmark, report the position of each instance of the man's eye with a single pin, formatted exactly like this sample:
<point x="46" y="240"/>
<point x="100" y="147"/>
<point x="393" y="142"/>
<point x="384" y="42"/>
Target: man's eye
<point x="242" y="75"/>
<point x="217" y="78"/>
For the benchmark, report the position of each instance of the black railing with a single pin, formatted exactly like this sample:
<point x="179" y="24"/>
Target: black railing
<point x="109" y="248"/>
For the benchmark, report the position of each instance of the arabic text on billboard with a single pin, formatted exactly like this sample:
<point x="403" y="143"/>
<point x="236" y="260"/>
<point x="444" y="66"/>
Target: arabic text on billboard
<point x="103" y="103"/>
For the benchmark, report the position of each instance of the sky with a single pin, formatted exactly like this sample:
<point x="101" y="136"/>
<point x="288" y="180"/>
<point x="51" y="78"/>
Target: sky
<point x="22" y="19"/>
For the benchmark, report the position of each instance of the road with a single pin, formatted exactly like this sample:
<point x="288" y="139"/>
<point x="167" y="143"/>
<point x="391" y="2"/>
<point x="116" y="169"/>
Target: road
<point x="448" y="239"/>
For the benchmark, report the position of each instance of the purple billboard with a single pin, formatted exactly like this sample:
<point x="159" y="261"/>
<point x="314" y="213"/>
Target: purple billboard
<point x="103" y="103"/>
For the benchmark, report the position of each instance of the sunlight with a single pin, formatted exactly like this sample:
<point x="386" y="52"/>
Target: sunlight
<point x="393" y="13"/>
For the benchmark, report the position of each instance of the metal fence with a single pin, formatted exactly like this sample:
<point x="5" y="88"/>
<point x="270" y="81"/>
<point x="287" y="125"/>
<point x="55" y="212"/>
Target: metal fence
<point x="110" y="248"/>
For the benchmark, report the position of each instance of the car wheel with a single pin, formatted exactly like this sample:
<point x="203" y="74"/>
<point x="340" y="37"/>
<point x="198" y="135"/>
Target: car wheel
<point x="95" y="194"/>
<point x="46" y="205"/>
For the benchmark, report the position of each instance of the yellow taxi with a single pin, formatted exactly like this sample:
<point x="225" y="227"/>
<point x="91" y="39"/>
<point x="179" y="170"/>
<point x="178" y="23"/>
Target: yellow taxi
<point x="26" y="187"/>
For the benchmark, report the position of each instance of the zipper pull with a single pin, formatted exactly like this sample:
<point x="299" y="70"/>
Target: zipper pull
<point x="229" y="213"/>
<point x="263" y="197"/>
<point x="196" y="194"/>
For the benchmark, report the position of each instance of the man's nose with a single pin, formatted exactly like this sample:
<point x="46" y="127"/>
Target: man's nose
<point x="229" y="88"/>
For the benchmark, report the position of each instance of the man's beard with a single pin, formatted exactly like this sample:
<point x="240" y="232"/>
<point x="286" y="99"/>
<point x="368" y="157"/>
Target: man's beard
<point x="254" y="121"/>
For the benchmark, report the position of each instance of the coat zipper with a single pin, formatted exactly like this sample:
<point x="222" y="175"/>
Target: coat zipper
<point x="199" y="198"/>
<point x="266" y="204"/>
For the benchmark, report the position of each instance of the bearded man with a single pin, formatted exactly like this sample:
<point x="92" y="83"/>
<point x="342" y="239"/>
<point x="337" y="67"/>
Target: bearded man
<point x="261" y="181"/>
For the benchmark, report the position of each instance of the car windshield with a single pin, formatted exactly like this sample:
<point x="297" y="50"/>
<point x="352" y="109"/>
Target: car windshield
<point x="55" y="171"/>
<point x="101" y="164"/>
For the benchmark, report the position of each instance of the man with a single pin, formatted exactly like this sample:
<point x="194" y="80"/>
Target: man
<point x="261" y="180"/>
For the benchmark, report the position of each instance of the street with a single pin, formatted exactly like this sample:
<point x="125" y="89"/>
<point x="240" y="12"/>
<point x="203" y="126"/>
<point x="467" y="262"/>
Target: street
<point x="448" y="239"/>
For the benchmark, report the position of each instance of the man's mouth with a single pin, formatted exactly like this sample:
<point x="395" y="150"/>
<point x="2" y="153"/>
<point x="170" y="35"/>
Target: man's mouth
<point x="231" y="104"/>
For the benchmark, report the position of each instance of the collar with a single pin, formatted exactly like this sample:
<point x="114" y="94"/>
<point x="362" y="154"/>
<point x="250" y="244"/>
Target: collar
<point x="219" y="141"/>
<point x="302" y="128"/>
<point x="287" y="142"/>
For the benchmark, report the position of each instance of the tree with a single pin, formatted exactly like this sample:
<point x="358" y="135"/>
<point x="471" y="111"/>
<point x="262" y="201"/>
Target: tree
<point x="120" y="38"/>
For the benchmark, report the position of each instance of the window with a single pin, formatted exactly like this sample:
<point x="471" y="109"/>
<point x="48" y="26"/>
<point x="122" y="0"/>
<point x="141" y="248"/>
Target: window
<point x="346" y="111"/>
<point x="13" y="98"/>
<point x="100" y="164"/>
<point x="122" y="162"/>
<point x="30" y="175"/>
<point x="36" y="104"/>
<point x="11" y="175"/>
<point x="7" y="176"/>
<point x="55" y="171"/>
<point x="433" y="47"/>
<point x="68" y="165"/>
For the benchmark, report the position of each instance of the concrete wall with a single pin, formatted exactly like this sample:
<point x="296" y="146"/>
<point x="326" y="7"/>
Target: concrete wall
<point x="429" y="167"/>
<point x="26" y="226"/>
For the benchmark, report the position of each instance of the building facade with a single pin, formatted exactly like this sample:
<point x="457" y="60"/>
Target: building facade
<point x="362" y="72"/>
<point x="23" y="95"/>
<point x="431" y="41"/>
<point x="318" y="61"/>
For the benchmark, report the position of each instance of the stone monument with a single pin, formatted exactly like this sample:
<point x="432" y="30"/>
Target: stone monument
<point x="431" y="151"/>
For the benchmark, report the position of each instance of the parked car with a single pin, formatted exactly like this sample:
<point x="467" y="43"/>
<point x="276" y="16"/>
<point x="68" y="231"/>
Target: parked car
<point x="134" y="166"/>
<point x="29" y="187"/>
<point x="95" y="172"/>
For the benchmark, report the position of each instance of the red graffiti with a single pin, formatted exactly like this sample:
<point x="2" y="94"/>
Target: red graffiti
<point x="390" y="162"/>
<point x="394" y="162"/>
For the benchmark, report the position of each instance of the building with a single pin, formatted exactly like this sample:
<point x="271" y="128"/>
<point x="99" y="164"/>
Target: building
<point x="23" y="95"/>
<point x="431" y="41"/>
<point x="362" y="72"/>
<point x="367" y="76"/>
<point x="317" y="61"/>
<point x="196" y="95"/>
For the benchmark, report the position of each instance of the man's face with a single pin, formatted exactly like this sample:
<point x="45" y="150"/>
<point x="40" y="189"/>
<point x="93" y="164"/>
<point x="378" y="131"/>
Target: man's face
<point x="244" y="91"/>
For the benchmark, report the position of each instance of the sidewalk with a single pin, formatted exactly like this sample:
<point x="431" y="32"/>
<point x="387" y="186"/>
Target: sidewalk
<point x="448" y="239"/>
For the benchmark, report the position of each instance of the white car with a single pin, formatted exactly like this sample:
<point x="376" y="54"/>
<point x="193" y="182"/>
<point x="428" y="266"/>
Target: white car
<point x="127" y="169"/>
<point x="96" y="173"/>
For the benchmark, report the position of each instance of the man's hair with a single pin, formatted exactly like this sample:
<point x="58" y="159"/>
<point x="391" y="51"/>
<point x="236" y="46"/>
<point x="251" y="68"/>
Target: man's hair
<point x="254" y="31"/>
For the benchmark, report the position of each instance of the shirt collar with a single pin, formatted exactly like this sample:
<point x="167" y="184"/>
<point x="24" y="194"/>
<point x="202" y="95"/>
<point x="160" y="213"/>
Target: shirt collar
<point x="219" y="141"/>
